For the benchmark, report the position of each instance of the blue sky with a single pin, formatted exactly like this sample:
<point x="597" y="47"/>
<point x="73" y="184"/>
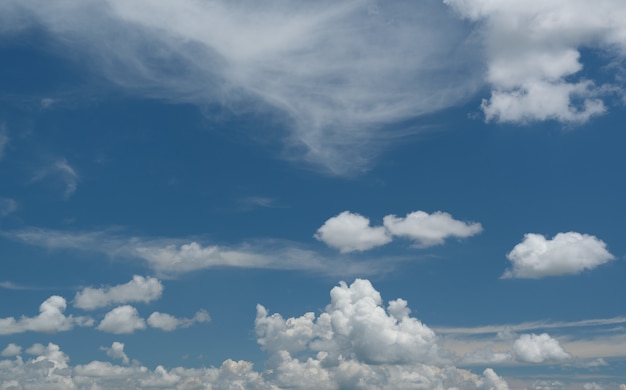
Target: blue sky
<point x="344" y="195"/>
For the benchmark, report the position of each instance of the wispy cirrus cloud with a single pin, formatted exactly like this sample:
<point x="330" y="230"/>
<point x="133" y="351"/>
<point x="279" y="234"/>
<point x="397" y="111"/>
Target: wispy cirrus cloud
<point x="331" y="74"/>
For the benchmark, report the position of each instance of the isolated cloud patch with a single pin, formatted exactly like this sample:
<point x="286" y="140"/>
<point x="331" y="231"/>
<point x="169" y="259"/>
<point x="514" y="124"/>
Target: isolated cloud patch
<point x="532" y="348"/>
<point x="430" y="229"/>
<point x="538" y="77"/>
<point x="51" y="319"/>
<point x="116" y="351"/>
<point x="350" y="232"/>
<point x="121" y="320"/>
<point x="566" y="254"/>
<point x="139" y="289"/>
<point x="169" y="323"/>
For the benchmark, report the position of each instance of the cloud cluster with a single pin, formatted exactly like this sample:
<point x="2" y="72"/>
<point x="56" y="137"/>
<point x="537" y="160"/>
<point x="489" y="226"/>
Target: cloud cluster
<point x="355" y="343"/>
<point x="351" y="232"/>
<point x="333" y="73"/>
<point x="567" y="253"/>
<point x="533" y="54"/>
<point x="139" y="289"/>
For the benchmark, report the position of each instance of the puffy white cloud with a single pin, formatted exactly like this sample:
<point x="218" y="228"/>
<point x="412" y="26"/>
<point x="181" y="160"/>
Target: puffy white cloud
<point x="532" y="348"/>
<point x="168" y="322"/>
<point x="139" y="289"/>
<point x="533" y="55"/>
<point x="350" y="232"/>
<point x="565" y="254"/>
<point x="11" y="350"/>
<point x="122" y="319"/>
<point x="335" y="73"/>
<point x="430" y="229"/>
<point x="50" y="319"/>
<point x="116" y="351"/>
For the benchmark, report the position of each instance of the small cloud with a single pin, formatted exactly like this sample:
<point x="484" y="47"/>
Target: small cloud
<point x="169" y="323"/>
<point x="116" y="351"/>
<point x="566" y="254"/>
<point x="47" y="102"/>
<point x="4" y="140"/>
<point x="11" y="350"/>
<point x="351" y="232"/>
<point x="122" y="320"/>
<point x="532" y="348"/>
<point x="139" y="289"/>
<point x="61" y="171"/>
<point x="430" y="229"/>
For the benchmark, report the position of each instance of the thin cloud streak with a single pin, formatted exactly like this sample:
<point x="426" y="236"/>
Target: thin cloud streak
<point x="171" y="257"/>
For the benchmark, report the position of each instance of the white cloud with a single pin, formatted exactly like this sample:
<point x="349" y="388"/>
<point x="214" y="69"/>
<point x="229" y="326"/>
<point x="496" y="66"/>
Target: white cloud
<point x="169" y="323"/>
<point x="122" y="319"/>
<point x="532" y="348"/>
<point x="332" y="72"/>
<point x="533" y="55"/>
<point x="430" y="229"/>
<point x="139" y="289"/>
<point x="351" y="232"/>
<point x="50" y="319"/>
<point x="11" y="350"/>
<point x="116" y="351"/>
<point x="566" y="254"/>
<point x="62" y="172"/>
<point x="172" y="257"/>
<point x="354" y="343"/>
<point x="7" y="206"/>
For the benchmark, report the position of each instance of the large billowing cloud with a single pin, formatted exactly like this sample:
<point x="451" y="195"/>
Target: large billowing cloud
<point x="532" y="348"/>
<point x="51" y="319"/>
<point x="355" y="343"/>
<point x="534" y="60"/>
<point x="333" y="72"/>
<point x="350" y="232"/>
<point x="565" y="254"/>
<point x="139" y="289"/>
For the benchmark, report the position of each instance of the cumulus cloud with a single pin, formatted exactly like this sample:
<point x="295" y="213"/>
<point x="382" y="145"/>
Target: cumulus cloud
<point x="350" y="232"/>
<point x="332" y="72"/>
<point x="139" y="289"/>
<point x="116" y="351"/>
<point x="169" y="323"/>
<point x="566" y="254"/>
<point x="122" y="319"/>
<point x="11" y="350"/>
<point x="356" y="342"/>
<point x="430" y="229"/>
<point x="50" y="319"/>
<point x="534" y="55"/>
<point x="532" y="348"/>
